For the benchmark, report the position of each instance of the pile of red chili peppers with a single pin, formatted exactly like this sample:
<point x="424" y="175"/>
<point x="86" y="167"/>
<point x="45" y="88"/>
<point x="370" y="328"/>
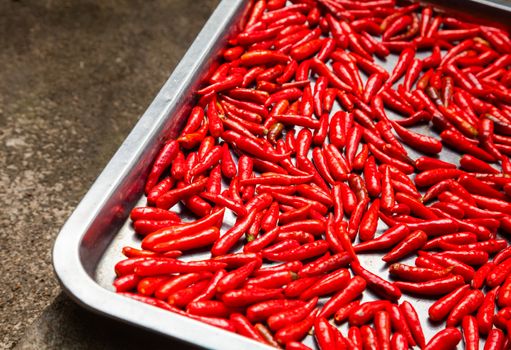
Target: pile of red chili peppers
<point x="309" y="186"/>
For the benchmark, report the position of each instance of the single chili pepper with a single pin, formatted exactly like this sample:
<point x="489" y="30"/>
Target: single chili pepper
<point x="303" y="252"/>
<point x="383" y="329"/>
<point x="297" y="331"/>
<point x="126" y="283"/>
<point x="443" y="306"/>
<point x="179" y="282"/>
<point x="412" y="319"/>
<point x="417" y="274"/>
<point x="321" y="132"/>
<point x="485" y="313"/>
<point x="356" y="217"/>
<point x="439" y="286"/>
<point x="422" y="143"/>
<point x="344" y="311"/>
<point x="244" y="327"/>
<point x="322" y="333"/>
<point x="274" y="280"/>
<point x="445" y="339"/>
<point x="321" y="266"/>
<point x="455" y="238"/>
<point x="148" y="213"/>
<point x="288" y="317"/>
<point x="456" y="141"/>
<point x="369" y="338"/>
<point x="300" y="236"/>
<point x="269" y="220"/>
<point x="415" y="206"/>
<point x="495" y="340"/>
<point x="497" y="276"/>
<point x="131" y="252"/>
<point x="248" y="296"/>
<point x="159" y="189"/>
<point x="127" y="266"/>
<point x="328" y="284"/>
<point x="192" y="241"/>
<point x="275" y="179"/>
<point x="469" y="257"/>
<point x="469" y="303"/>
<point x="450" y="208"/>
<point x="227" y="241"/>
<point x="366" y="311"/>
<point x="183" y="297"/>
<point x="386" y="159"/>
<point x="296" y="288"/>
<point x="336" y="163"/>
<point x="164" y="159"/>
<point x="373" y="85"/>
<point x="377" y="284"/>
<point x="329" y="99"/>
<point x="353" y="289"/>
<point x="235" y="278"/>
<point x="408" y="245"/>
<point x="481" y="274"/>
<point x="387" y="240"/>
<point x="264" y="309"/>
<point x="360" y="159"/>
<point x="404" y="61"/>
<point x="369" y="221"/>
<point x="470" y="332"/>
<point x="431" y="177"/>
<point x="490" y="246"/>
<point x="208" y="308"/>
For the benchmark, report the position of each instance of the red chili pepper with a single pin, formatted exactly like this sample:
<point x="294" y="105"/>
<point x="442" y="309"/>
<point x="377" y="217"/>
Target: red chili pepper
<point x="264" y="309"/>
<point x="365" y="312"/>
<point x="289" y="317"/>
<point x="369" y="221"/>
<point x="469" y="303"/>
<point x="297" y="331"/>
<point x="439" y="286"/>
<point x="387" y="240"/>
<point x="413" y="322"/>
<point x="377" y="284"/>
<point x="495" y="340"/>
<point x="164" y="159"/>
<point x="410" y="244"/>
<point x="383" y="329"/>
<point x="445" y="339"/>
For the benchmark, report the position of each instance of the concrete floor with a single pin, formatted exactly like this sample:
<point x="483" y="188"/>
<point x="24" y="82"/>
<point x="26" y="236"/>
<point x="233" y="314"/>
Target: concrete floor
<point x="75" y="77"/>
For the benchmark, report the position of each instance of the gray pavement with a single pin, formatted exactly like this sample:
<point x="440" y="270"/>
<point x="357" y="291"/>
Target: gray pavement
<point x="75" y="75"/>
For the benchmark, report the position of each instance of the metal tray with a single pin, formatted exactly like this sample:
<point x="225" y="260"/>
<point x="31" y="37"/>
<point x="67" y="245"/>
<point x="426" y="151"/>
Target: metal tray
<point x="90" y="242"/>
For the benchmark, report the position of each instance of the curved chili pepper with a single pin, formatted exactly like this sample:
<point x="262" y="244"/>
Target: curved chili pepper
<point x="413" y="322"/>
<point x="353" y="289"/>
<point x="445" y="339"/>
<point x="366" y="312"/>
<point x="297" y="331"/>
<point x="408" y="245"/>
<point x="387" y="240"/>
<point x="377" y="284"/>
<point x="369" y="221"/>
<point x="469" y="303"/>
<point x="164" y="159"/>
<point x="288" y="317"/>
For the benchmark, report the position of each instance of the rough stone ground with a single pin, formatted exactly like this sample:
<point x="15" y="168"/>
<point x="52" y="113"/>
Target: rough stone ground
<point x="75" y="75"/>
